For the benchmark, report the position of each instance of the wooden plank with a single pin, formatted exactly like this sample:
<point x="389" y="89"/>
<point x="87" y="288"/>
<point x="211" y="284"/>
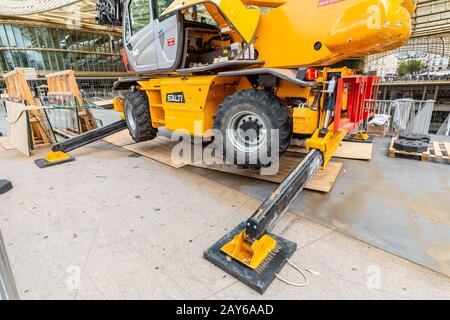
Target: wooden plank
<point x="447" y="149"/>
<point x="120" y="139"/>
<point x="354" y="150"/>
<point x="103" y="103"/>
<point x="347" y="150"/>
<point x="65" y="133"/>
<point x="160" y="149"/>
<point x="437" y="149"/>
<point x="391" y="150"/>
<point x="323" y="181"/>
<point x="18" y="126"/>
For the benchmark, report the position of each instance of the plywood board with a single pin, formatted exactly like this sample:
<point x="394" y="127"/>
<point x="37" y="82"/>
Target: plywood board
<point x="18" y="126"/>
<point x="4" y="142"/>
<point x="18" y="87"/>
<point x="120" y="139"/>
<point x="347" y="150"/>
<point x="354" y="150"/>
<point x="160" y="149"/>
<point x="322" y="181"/>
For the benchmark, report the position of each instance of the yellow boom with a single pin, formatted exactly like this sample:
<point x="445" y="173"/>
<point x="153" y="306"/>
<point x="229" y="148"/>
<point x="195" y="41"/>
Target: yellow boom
<point x="313" y="32"/>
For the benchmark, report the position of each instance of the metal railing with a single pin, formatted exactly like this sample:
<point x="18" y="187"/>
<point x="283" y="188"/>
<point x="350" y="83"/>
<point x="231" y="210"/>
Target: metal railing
<point x="8" y="289"/>
<point x="407" y="115"/>
<point x="92" y="89"/>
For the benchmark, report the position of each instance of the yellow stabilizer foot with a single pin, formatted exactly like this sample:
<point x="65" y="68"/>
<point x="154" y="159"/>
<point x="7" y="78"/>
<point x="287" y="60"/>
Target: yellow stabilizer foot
<point x="259" y="279"/>
<point x="359" y="136"/>
<point x="252" y="256"/>
<point x="57" y="156"/>
<point x="53" y="158"/>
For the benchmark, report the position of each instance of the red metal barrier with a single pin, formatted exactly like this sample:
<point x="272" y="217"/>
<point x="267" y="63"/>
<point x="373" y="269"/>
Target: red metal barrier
<point x="359" y="89"/>
<point x="372" y="95"/>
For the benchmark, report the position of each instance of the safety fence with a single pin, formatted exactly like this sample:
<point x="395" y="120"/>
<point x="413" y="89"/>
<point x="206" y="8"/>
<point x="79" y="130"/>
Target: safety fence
<point x="406" y="115"/>
<point x="65" y="116"/>
<point x="95" y="91"/>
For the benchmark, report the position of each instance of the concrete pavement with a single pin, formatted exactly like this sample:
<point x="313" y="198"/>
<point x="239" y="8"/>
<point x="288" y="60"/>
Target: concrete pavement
<point x="114" y="226"/>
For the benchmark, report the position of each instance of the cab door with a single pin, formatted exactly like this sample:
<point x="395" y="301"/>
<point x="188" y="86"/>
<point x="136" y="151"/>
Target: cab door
<point x="168" y="34"/>
<point x="139" y="35"/>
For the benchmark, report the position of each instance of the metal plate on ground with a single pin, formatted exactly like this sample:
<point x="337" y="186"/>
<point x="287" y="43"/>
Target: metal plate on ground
<point x="258" y="281"/>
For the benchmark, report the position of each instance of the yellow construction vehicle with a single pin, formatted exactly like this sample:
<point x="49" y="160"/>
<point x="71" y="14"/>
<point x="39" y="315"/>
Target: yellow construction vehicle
<point x="258" y="72"/>
<point x="218" y="64"/>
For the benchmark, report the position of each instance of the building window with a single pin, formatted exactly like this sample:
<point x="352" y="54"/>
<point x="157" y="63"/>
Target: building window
<point x="3" y="37"/>
<point x="10" y="35"/>
<point x="50" y="49"/>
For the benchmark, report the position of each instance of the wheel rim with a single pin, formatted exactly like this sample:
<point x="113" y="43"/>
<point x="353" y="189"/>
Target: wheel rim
<point x="240" y="136"/>
<point x="130" y="117"/>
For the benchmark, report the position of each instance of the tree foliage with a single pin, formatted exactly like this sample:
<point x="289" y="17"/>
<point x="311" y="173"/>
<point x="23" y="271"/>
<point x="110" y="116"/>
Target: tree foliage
<point x="410" y="67"/>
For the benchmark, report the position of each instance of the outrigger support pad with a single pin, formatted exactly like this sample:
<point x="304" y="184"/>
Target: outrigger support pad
<point x="53" y="158"/>
<point x="59" y="151"/>
<point x="250" y="252"/>
<point x="258" y="279"/>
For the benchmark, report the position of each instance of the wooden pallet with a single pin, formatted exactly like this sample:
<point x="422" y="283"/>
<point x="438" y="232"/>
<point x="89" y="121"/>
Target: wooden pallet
<point x="438" y="151"/>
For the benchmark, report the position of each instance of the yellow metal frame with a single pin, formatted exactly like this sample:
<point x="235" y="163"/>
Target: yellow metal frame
<point x="118" y="105"/>
<point x="250" y="255"/>
<point x="202" y="95"/>
<point x="327" y="145"/>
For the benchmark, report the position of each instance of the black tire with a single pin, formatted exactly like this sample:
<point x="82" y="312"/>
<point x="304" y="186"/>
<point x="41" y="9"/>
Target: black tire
<point x="137" y="115"/>
<point x="268" y="109"/>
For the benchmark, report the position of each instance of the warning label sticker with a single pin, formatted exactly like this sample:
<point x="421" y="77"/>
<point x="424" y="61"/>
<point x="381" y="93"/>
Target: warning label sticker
<point x="323" y="3"/>
<point x="170" y="42"/>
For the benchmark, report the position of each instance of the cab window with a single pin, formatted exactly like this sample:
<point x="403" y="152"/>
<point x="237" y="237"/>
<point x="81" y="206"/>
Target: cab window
<point x="200" y="14"/>
<point x="140" y="15"/>
<point x="159" y="6"/>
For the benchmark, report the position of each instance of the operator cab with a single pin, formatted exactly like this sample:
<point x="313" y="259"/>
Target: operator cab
<point x="196" y="38"/>
<point x="152" y="42"/>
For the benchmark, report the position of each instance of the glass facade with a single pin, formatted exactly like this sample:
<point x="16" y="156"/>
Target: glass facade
<point x="51" y="49"/>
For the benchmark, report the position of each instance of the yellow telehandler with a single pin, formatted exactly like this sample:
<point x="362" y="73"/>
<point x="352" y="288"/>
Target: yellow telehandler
<point x="258" y="72"/>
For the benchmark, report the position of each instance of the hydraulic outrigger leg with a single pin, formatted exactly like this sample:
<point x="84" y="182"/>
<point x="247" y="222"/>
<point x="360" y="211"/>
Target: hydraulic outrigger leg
<point x="250" y="252"/>
<point x="59" y="151"/>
